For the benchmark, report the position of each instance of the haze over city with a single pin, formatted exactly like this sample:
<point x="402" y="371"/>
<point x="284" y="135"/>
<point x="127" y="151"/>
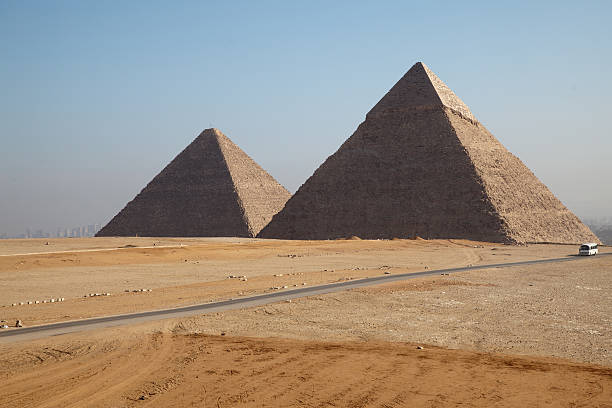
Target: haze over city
<point x="99" y="97"/>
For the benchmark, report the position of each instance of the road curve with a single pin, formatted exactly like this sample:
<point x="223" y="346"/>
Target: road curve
<point x="35" y="332"/>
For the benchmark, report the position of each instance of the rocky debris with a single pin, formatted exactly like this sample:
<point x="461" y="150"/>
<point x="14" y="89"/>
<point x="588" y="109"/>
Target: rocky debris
<point x="36" y="302"/>
<point x="422" y="165"/>
<point x="212" y="188"/>
<point x="243" y="278"/>
<point x="279" y="287"/>
<point x="278" y="275"/>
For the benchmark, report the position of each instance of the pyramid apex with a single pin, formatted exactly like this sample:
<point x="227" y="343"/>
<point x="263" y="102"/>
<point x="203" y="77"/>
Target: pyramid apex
<point x="421" y="87"/>
<point x="211" y="132"/>
<point x="419" y="65"/>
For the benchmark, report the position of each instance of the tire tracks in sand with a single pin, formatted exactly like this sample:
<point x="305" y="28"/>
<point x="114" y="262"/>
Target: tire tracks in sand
<point x="89" y="379"/>
<point x="176" y="370"/>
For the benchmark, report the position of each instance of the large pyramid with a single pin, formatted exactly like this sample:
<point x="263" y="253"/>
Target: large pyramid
<point x="211" y="189"/>
<point x="422" y="165"/>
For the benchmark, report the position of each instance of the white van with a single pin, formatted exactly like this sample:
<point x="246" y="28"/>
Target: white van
<point x="588" y="249"/>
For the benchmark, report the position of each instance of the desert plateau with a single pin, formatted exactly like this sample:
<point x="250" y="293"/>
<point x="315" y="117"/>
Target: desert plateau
<point x="471" y="338"/>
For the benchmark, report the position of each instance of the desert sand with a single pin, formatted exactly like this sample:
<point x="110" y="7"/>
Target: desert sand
<point x="525" y="336"/>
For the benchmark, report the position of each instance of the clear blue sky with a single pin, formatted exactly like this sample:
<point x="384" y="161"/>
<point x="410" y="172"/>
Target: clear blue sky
<point x="96" y="97"/>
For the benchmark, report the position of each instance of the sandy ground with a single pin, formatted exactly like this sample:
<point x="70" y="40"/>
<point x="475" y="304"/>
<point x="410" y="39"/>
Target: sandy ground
<point x="160" y="369"/>
<point x="198" y="271"/>
<point x="562" y="310"/>
<point x="49" y="245"/>
<point x="538" y="335"/>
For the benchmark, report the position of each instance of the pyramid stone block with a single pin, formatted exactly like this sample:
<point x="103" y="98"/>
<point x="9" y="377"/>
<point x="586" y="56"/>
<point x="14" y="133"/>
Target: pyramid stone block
<point x="211" y="189"/>
<point x="422" y="165"/>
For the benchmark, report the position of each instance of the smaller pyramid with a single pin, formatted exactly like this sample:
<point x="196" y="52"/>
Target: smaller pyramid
<point x="211" y="189"/>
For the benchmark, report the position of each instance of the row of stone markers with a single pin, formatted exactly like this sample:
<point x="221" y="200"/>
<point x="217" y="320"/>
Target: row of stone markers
<point x="36" y="302"/>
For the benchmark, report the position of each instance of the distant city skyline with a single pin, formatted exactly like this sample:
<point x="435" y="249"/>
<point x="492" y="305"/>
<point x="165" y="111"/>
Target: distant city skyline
<point x="97" y="98"/>
<point x="88" y="230"/>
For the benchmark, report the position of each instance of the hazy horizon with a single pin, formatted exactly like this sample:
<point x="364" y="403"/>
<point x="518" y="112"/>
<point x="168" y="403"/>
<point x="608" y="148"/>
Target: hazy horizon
<point x="98" y="98"/>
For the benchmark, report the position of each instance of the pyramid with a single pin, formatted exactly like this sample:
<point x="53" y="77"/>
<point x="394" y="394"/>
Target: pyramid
<point x="211" y="189"/>
<point x="422" y="165"/>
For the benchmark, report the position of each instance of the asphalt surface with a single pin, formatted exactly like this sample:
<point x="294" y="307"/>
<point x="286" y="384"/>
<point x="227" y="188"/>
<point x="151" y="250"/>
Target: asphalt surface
<point x="34" y="332"/>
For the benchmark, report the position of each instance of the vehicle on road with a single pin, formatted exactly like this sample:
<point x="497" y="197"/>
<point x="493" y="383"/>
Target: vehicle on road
<point x="588" y="249"/>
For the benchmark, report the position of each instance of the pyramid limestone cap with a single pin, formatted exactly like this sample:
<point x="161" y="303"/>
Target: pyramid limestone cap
<point x="420" y="88"/>
<point x="211" y="132"/>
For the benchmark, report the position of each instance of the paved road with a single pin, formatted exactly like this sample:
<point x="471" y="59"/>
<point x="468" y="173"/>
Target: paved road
<point x="54" y="329"/>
